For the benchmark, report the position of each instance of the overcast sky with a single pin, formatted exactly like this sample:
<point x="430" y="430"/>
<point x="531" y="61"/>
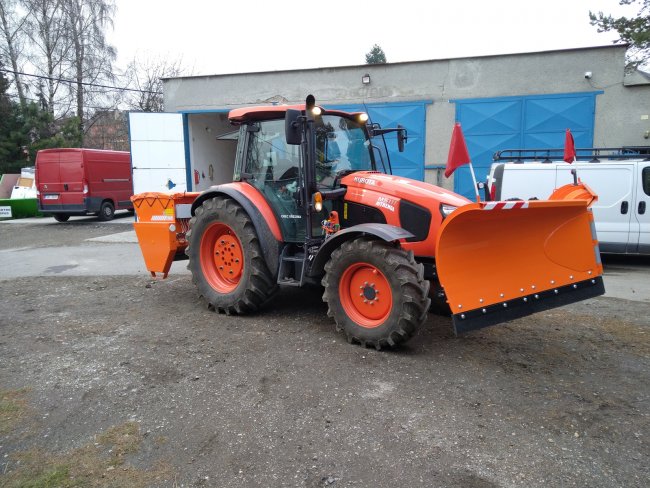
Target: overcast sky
<point x="216" y="37"/>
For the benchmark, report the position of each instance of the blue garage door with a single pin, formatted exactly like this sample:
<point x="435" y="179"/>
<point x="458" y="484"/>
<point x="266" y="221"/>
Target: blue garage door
<point x="411" y="115"/>
<point x="532" y="122"/>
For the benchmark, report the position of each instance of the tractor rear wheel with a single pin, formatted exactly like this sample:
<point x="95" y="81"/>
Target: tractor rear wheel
<point x="225" y="258"/>
<point x="375" y="292"/>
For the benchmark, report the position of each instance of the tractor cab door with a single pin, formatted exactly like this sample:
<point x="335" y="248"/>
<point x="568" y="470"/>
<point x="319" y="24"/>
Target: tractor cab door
<point x="273" y="167"/>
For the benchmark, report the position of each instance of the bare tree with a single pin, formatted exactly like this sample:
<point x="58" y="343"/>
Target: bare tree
<point x="145" y="78"/>
<point x="46" y="30"/>
<point x="12" y="25"/>
<point x="92" y="57"/>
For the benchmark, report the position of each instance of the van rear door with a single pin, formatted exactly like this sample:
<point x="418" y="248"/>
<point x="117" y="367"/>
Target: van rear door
<point x="71" y="175"/>
<point x="614" y="185"/>
<point x="48" y="181"/>
<point x="642" y="206"/>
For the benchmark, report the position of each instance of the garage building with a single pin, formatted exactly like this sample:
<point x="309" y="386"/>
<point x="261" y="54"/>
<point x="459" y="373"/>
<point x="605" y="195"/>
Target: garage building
<point x="505" y="101"/>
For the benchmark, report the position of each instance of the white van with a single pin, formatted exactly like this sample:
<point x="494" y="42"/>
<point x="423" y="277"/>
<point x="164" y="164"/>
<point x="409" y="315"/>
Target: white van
<point x="621" y="181"/>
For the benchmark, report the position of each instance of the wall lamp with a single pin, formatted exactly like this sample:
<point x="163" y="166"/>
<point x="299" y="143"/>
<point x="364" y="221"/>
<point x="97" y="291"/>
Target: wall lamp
<point x="365" y="79"/>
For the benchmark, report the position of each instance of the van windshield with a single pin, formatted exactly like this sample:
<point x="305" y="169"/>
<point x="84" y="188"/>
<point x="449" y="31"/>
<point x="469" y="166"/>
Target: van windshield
<point x="341" y="147"/>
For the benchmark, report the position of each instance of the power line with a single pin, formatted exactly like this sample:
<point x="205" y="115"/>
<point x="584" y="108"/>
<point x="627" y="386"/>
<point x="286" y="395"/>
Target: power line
<point x="29" y="99"/>
<point x="73" y="82"/>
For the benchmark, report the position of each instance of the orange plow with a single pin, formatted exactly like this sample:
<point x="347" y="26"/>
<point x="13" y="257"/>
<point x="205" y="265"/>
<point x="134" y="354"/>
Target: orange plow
<point x="498" y="261"/>
<point x="162" y="222"/>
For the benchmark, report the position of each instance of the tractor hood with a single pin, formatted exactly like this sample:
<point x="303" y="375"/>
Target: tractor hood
<point x="418" y="192"/>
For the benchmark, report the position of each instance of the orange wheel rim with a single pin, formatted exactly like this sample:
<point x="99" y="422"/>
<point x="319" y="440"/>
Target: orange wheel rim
<point x="222" y="257"/>
<point x="366" y="295"/>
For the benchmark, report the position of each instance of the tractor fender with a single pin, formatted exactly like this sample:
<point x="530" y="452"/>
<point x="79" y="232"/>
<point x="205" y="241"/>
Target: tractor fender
<point x="268" y="241"/>
<point x="385" y="232"/>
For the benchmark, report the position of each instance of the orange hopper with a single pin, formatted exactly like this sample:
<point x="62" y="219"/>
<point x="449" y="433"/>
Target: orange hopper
<point x="161" y="225"/>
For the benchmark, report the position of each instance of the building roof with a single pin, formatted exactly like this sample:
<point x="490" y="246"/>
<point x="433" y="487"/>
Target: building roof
<point x="373" y="66"/>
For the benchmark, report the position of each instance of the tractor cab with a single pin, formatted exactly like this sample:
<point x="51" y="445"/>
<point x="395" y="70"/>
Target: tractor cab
<point x="296" y="157"/>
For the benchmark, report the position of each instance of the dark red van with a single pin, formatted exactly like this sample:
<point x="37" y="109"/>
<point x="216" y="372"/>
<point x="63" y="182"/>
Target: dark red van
<point x="83" y="181"/>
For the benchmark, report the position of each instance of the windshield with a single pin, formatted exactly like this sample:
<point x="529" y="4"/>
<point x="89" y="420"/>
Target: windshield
<point x="341" y="147"/>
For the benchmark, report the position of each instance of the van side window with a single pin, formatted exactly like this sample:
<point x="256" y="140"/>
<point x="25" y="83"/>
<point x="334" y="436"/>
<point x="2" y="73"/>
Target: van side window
<point x="645" y="177"/>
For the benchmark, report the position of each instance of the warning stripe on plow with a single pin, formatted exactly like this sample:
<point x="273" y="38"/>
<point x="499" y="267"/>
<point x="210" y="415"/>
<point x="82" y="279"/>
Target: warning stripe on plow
<point x="505" y="205"/>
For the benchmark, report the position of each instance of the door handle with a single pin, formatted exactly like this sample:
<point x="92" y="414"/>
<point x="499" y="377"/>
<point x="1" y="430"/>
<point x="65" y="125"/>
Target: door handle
<point x="641" y="208"/>
<point x="624" y="207"/>
<point x="65" y="186"/>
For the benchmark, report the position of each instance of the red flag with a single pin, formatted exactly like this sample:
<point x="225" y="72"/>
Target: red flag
<point x="569" y="147"/>
<point x="458" y="154"/>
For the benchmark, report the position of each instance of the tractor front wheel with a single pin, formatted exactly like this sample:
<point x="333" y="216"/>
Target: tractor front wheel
<point x="225" y="258"/>
<point x="375" y="292"/>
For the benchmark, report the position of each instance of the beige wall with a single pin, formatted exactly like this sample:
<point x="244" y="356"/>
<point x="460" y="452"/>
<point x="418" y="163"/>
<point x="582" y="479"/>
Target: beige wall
<point x="620" y="110"/>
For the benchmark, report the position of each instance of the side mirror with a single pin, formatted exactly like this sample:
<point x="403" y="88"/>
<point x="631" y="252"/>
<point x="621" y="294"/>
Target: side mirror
<point x="292" y="127"/>
<point x="401" y="138"/>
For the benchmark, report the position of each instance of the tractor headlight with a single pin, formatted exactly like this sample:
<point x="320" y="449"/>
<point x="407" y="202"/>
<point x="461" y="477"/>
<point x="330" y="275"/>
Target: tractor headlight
<point x="317" y="201"/>
<point x="445" y="210"/>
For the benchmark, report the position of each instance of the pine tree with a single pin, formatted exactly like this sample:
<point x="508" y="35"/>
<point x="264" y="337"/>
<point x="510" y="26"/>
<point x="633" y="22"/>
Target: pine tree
<point x="634" y="31"/>
<point x="376" y="55"/>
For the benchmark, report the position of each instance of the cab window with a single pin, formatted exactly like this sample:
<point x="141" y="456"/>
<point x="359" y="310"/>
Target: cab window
<point x="269" y="158"/>
<point x="341" y="146"/>
<point x="274" y="168"/>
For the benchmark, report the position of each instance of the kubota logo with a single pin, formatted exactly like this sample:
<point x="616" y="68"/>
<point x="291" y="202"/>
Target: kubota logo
<point x="365" y="181"/>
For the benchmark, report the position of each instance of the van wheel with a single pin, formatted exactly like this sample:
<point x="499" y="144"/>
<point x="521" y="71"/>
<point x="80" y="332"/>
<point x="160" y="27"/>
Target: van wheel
<point x="61" y="217"/>
<point x="106" y="211"/>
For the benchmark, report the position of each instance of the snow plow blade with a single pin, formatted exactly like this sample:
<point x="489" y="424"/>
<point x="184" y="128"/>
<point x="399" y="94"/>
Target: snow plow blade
<point x="161" y="224"/>
<point x="498" y="261"/>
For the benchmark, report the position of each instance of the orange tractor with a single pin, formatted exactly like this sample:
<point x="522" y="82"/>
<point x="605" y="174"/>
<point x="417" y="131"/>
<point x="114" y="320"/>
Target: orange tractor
<point x="309" y="204"/>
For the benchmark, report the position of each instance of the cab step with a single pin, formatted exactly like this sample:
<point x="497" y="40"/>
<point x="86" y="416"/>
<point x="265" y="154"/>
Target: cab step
<point x="293" y="264"/>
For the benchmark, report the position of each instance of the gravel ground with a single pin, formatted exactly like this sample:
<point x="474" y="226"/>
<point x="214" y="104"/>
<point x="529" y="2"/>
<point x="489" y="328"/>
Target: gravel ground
<point x="279" y="398"/>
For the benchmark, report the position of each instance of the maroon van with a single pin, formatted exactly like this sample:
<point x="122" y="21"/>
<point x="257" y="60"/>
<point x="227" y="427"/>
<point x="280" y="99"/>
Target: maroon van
<point x="83" y="181"/>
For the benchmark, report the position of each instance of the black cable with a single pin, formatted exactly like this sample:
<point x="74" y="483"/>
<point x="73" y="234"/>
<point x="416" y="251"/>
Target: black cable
<point x="63" y="80"/>
<point x="106" y="109"/>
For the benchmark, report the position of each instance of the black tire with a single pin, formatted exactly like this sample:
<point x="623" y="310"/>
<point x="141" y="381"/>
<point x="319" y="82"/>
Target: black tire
<point x="399" y="274"/>
<point x="61" y="217"/>
<point x="106" y="211"/>
<point x="254" y="284"/>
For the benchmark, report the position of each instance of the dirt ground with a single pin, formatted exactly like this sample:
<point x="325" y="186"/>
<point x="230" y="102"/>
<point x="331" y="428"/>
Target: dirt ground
<point x="121" y="381"/>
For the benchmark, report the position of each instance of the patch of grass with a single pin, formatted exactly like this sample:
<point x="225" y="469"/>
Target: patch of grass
<point x="13" y="408"/>
<point x="50" y="477"/>
<point x="620" y="332"/>
<point x="630" y="335"/>
<point x="98" y="464"/>
<point x="121" y="440"/>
